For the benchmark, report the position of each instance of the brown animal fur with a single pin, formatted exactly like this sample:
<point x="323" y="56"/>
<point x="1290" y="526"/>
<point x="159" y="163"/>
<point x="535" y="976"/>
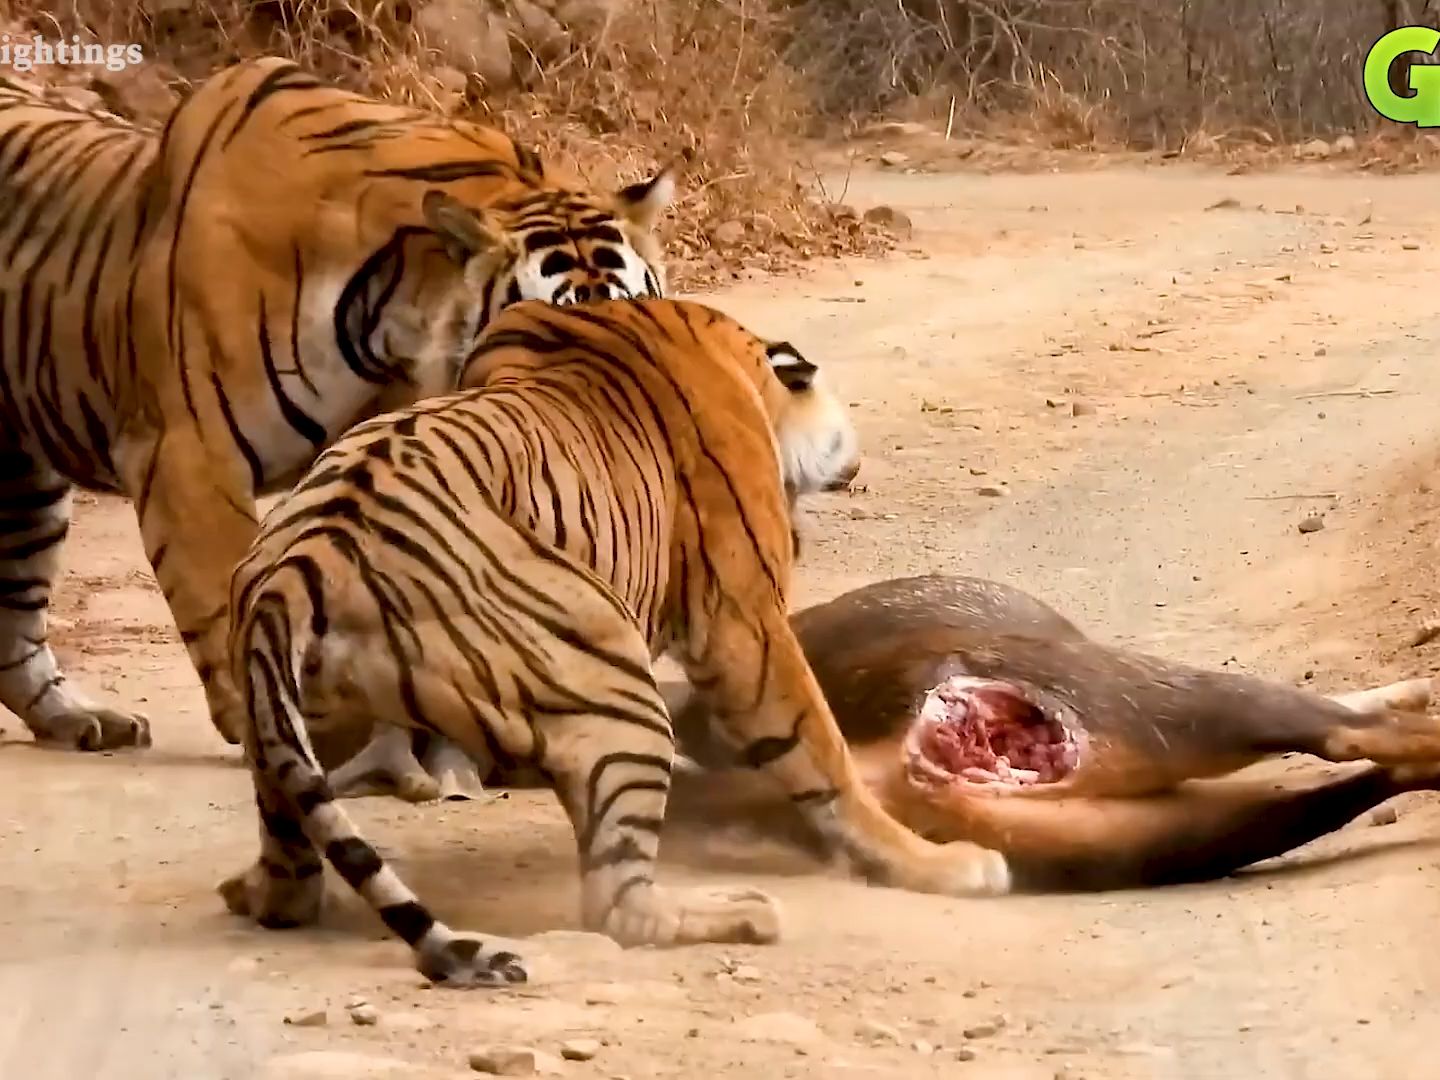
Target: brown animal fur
<point x="1138" y="809"/>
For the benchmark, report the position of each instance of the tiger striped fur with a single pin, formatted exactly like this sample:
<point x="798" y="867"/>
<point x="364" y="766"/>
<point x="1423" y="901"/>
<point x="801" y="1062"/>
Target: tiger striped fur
<point x="503" y="564"/>
<point x="189" y="316"/>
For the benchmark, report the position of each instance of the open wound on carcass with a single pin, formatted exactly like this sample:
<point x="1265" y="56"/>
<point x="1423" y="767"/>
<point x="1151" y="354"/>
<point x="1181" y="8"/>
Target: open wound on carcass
<point x="985" y="731"/>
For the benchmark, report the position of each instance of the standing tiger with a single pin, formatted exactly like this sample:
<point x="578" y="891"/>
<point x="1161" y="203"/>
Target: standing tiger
<point x="190" y="316"/>
<point x="501" y="566"/>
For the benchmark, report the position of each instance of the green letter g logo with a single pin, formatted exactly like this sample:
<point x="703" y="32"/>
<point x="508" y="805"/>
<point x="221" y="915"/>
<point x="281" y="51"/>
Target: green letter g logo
<point x="1422" y="106"/>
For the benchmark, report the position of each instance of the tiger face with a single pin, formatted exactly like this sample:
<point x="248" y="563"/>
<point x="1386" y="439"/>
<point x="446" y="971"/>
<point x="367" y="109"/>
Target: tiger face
<point x="550" y="244"/>
<point x="819" y="449"/>
<point x="557" y="245"/>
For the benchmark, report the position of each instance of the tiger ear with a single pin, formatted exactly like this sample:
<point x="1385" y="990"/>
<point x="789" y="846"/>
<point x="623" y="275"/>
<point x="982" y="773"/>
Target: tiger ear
<point x="642" y="203"/>
<point x="464" y="232"/>
<point x="795" y="373"/>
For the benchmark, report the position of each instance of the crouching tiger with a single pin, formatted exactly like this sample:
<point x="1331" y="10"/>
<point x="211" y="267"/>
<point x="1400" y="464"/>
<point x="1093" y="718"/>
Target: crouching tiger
<point x="191" y="316"/>
<point x="502" y="565"/>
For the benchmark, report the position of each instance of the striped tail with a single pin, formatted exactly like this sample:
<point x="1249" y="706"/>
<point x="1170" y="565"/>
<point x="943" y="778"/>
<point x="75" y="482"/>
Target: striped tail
<point x="299" y="817"/>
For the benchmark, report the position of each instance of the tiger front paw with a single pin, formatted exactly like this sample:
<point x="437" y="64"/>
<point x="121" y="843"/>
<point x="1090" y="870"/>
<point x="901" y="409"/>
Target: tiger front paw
<point x="93" y="729"/>
<point x="651" y="915"/>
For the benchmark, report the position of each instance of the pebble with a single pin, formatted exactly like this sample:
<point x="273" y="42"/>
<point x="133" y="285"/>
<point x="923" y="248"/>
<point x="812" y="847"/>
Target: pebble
<point x="893" y="158"/>
<point x="363" y="1015"/>
<point x="983" y="1031"/>
<point x="580" y="1049"/>
<point x="887" y="217"/>
<point x="965" y="1053"/>
<point x="991" y="491"/>
<point x="875" y="1031"/>
<point x="1312" y="524"/>
<point x="1386" y="815"/>
<point x="317" y="1018"/>
<point x="506" y="1061"/>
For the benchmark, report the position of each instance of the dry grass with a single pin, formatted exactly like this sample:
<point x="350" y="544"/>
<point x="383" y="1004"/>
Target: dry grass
<point x="1133" y="73"/>
<point x="613" y="109"/>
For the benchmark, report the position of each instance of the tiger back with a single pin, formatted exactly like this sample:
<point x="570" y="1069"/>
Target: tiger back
<point x="502" y="565"/>
<point x="193" y="314"/>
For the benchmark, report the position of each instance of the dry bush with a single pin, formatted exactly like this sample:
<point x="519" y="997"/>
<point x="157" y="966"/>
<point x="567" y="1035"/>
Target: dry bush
<point x="696" y="83"/>
<point x="1142" y="73"/>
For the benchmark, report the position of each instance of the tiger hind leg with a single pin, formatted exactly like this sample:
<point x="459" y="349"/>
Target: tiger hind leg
<point x="299" y="819"/>
<point x="611" y="756"/>
<point x="34" y="520"/>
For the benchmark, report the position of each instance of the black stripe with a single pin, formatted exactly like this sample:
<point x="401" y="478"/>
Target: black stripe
<point x="247" y="451"/>
<point x="445" y="172"/>
<point x="295" y="416"/>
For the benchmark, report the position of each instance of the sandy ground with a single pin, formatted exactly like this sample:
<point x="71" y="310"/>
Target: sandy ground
<point x="1219" y="357"/>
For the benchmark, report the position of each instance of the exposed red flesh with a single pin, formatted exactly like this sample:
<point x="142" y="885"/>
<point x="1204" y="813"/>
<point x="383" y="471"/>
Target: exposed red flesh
<point x="985" y="731"/>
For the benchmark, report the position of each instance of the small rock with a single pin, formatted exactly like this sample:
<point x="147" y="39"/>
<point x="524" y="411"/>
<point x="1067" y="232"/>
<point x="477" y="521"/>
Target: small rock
<point x="317" y="1018"/>
<point x="1081" y="408"/>
<point x="887" y="217"/>
<point x="363" y="1015"/>
<point x="745" y="973"/>
<point x="1429" y="630"/>
<point x="975" y="470"/>
<point x="1314" y="150"/>
<point x="540" y="30"/>
<point x="1386" y="815"/>
<point x="580" y="1049"/>
<point x="875" y="1031"/>
<point x="1327" y="248"/>
<point x="469" y="38"/>
<point x="728" y="233"/>
<point x="1410" y="245"/>
<point x="781" y="1027"/>
<point x="894" y="158"/>
<point x="1312" y="524"/>
<point x="983" y="1031"/>
<point x="506" y="1061"/>
<point x="965" y="1053"/>
<point x="923" y="1048"/>
<point x="1345" y="144"/>
<point x="992" y="491"/>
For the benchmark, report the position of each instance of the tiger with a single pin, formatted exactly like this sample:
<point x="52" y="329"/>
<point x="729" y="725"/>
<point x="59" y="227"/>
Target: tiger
<point x="502" y="565"/>
<point x="191" y="314"/>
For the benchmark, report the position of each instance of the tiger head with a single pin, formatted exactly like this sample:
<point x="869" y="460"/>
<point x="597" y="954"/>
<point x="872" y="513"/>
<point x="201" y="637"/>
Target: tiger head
<point x="556" y="244"/>
<point x="819" y="450"/>
<point x="550" y="243"/>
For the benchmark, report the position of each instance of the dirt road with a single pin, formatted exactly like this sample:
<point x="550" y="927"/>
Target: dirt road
<point x="1216" y="356"/>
